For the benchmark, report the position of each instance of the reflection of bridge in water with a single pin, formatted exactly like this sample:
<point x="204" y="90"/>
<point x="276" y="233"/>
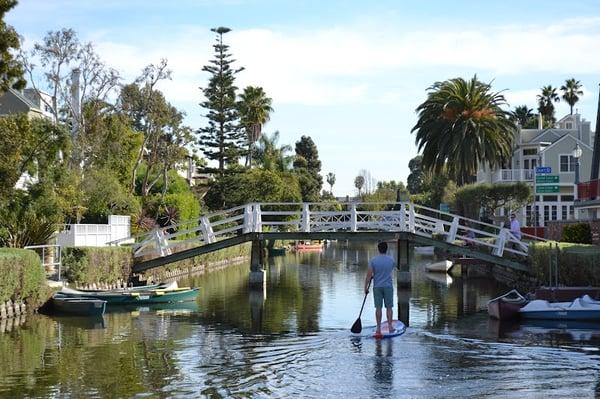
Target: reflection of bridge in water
<point x="403" y="222"/>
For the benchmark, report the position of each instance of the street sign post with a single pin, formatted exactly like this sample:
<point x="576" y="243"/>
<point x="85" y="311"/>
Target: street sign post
<point x="547" y="179"/>
<point x="547" y="189"/>
<point x="543" y="170"/>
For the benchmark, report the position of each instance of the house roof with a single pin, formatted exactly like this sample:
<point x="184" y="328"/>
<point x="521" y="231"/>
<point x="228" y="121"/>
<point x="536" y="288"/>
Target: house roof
<point x="24" y="99"/>
<point x="581" y="143"/>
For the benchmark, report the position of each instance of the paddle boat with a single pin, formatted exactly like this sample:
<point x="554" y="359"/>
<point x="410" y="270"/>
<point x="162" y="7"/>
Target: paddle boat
<point x="506" y="306"/>
<point x="439" y="267"/>
<point x="78" y="306"/>
<point x="583" y="308"/>
<point x="120" y="297"/>
<point x="424" y="250"/>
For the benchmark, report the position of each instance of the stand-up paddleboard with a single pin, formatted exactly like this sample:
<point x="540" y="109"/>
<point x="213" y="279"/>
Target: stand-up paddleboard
<point x="399" y="329"/>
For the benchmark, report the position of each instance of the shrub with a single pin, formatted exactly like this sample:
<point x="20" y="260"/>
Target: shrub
<point x="87" y="265"/>
<point x="580" y="233"/>
<point x="578" y="264"/>
<point x="22" y="276"/>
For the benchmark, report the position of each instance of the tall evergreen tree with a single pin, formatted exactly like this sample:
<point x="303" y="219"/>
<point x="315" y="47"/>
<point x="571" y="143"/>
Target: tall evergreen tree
<point x="308" y="167"/>
<point x="223" y="139"/>
<point x="11" y="71"/>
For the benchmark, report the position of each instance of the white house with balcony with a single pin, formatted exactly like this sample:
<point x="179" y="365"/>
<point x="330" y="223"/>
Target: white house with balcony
<point x="564" y="149"/>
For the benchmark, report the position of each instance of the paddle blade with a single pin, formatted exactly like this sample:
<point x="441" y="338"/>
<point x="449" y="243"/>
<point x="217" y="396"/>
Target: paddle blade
<point x="356" y="327"/>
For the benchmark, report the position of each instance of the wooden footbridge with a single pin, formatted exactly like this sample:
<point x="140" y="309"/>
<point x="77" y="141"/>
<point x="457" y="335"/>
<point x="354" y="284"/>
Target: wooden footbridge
<point x="404" y="222"/>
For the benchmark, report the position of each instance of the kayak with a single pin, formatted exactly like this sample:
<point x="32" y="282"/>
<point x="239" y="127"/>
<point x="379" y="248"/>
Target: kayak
<point x="369" y="332"/>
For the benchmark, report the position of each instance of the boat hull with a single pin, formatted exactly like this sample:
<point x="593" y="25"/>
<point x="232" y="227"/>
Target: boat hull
<point x="139" y="298"/>
<point x="562" y="315"/>
<point x="502" y="310"/>
<point x="78" y="306"/>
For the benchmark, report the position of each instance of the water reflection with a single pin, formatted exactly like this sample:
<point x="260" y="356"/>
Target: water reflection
<point x="291" y="340"/>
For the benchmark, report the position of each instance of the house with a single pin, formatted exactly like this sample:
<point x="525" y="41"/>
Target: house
<point x="30" y="101"/>
<point x="588" y="203"/>
<point x="554" y="149"/>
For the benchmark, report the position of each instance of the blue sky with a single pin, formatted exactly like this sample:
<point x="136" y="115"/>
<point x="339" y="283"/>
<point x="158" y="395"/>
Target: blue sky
<point x="347" y="73"/>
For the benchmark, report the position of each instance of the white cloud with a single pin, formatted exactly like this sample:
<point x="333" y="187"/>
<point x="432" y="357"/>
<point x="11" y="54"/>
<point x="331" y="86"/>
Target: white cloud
<point x="333" y="66"/>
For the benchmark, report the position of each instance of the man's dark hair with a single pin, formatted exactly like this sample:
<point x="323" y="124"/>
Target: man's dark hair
<point x="382" y="247"/>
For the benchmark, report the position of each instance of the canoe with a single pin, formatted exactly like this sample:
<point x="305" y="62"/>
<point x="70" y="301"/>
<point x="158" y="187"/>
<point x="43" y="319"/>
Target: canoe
<point x="583" y="308"/>
<point x="138" y="297"/>
<point x="160" y="286"/>
<point x="439" y="267"/>
<point x="78" y="306"/>
<point x="507" y="306"/>
<point x="424" y="250"/>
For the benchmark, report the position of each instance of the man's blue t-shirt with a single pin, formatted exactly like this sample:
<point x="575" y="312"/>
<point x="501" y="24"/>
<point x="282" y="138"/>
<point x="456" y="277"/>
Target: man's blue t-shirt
<point x="382" y="266"/>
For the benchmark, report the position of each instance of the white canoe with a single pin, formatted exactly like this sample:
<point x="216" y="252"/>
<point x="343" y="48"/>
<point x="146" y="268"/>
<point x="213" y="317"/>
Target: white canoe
<point x="424" y="250"/>
<point x="439" y="267"/>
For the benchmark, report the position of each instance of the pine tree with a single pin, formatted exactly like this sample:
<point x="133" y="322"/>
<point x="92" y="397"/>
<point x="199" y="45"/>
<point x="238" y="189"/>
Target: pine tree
<point x="223" y="139"/>
<point x="11" y="71"/>
<point x="307" y="167"/>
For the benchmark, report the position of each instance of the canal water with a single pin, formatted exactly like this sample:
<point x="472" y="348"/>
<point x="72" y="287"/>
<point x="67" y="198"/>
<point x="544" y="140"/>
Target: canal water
<point x="295" y="342"/>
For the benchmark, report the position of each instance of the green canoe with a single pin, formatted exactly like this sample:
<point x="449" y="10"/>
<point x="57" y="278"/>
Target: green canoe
<point x="137" y="297"/>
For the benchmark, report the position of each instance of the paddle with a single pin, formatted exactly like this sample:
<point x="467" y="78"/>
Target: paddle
<point x="357" y="326"/>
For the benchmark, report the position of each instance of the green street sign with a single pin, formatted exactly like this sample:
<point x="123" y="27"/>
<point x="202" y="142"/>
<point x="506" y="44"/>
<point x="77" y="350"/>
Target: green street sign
<point x="545" y="179"/>
<point x="547" y="189"/>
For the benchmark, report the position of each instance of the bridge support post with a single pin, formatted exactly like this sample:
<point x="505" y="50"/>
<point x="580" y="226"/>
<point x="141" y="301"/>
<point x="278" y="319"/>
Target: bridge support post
<point x="258" y="276"/>
<point x="403" y="305"/>
<point x="404" y="280"/>
<point x="257" y="306"/>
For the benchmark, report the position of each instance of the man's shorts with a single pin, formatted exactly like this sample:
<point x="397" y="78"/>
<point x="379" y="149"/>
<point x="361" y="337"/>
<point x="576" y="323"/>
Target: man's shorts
<point x="383" y="294"/>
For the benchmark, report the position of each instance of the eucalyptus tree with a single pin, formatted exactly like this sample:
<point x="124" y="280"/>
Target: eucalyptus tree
<point x="522" y="114"/>
<point x="223" y="139"/>
<point x="331" y="181"/>
<point x="461" y="125"/>
<point x="571" y="92"/>
<point x="11" y="70"/>
<point x="546" y="101"/>
<point x="255" y="110"/>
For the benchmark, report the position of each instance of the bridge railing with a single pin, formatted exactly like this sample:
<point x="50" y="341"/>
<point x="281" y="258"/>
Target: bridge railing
<point x="330" y="217"/>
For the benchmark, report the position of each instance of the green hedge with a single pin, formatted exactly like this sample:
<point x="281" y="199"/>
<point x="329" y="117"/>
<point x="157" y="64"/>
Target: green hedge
<point x="87" y="265"/>
<point x="577" y="233"/>
<point x="578" y="264"/>
<point x="23" y="276"/>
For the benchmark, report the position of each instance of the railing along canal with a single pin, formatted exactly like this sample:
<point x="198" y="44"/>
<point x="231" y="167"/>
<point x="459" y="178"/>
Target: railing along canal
<point x="330" y="217"/>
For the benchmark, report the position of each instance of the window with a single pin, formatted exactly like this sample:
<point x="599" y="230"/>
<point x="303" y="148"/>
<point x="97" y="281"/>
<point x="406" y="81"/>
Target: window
<point x="533" y="163"/>
<point x="569" y="125"/>
<point x="567" y="163"/>
<point x="526" y="164"/>
<point x="528" y="216"/>
<point x="546" y="212"/>
<point x="530" y="151"/>
<point x="563" y="212"/>
<point x="571" y="212"/>
<point x="550" y="198"/>
<point x="554" y="212"/>
<point x="567" y="198"/>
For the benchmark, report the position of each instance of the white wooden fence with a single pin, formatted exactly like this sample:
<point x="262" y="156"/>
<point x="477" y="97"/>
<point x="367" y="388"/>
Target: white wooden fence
<point x="330" y="217"/>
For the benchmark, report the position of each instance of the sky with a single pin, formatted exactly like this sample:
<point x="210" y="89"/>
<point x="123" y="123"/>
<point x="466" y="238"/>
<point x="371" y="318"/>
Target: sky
<point x="349" y="74"/>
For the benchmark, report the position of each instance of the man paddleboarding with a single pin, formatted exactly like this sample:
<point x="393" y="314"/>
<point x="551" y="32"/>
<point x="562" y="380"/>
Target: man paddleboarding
<point x="380" y="270"/>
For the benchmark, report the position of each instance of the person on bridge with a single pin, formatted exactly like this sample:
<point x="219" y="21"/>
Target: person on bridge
<point x="380" y="270"/>
<point x="515" y="227"/>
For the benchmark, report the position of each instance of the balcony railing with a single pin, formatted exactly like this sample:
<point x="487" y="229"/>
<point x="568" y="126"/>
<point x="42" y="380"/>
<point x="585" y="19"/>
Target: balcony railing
<point x="589" y="190"/>
<point x="513" y="175"/>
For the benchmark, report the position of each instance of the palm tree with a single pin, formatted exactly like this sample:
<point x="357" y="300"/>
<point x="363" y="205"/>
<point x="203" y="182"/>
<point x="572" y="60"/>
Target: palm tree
<point x="255" y="110"/>
<point x="461" y="125"/>
<point x="331" y="181"/>
<point x="522" y="114"/>
<point x="571" y="92"/>
<point x="545" y="102"/>
<point x="272" y="157"/>
<point x="359" y="182"/>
